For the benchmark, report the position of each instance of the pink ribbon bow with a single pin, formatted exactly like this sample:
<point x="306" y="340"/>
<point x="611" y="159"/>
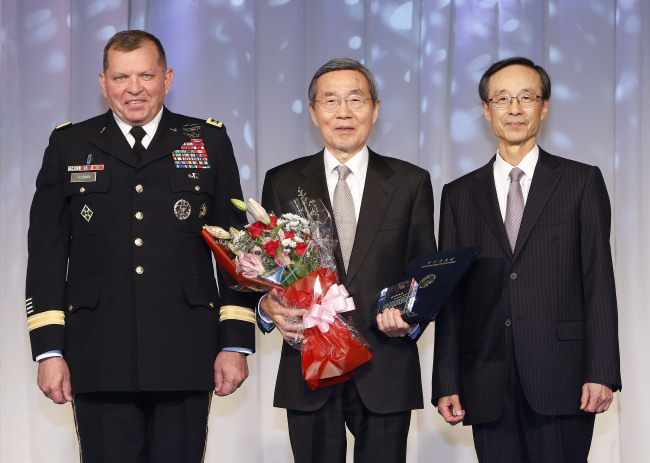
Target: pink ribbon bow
<point x="336" y="300"/>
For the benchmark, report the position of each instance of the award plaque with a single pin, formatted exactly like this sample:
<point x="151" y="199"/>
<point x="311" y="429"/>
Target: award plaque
<point x="429" y="281"/>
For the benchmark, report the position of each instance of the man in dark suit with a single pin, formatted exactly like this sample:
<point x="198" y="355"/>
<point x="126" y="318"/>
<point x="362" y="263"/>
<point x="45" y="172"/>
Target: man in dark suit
<point x="527" y="351"/>
<point x="124" y="314"/>
<point x="390" y="216"/>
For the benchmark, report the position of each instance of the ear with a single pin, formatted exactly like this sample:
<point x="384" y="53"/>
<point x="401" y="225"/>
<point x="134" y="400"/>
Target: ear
<point x="169" y="77"/>
<point x="545" y="104"/>
<point x="486" y="111"/>
<point x="375" y="111"/>
<point x="314" y="118"/>
<point x="102" y="82"/>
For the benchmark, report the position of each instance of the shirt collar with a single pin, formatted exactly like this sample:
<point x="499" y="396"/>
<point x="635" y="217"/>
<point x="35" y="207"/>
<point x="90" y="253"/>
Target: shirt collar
<point x="149" y="127"/>
<point x="358" y="164"/>
<point x="502" y="168"/>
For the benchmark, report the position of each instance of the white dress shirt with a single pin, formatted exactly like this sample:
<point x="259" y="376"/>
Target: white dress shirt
<point x="502" y="177"/>
<point x="150" y="129"/>
<point x="358" y="165"/>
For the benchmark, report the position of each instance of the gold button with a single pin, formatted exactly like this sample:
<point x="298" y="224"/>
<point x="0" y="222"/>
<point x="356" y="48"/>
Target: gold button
<point x="139" y="270"/>
<point x="211" y="304"/>
<point x="139" y="188"/>
<point x="82" y="190"/>
<point x="139" y="215"/>
<point x="138" y="241"/>
<point x="70" y="307"/>
<point x="197" y="188"/>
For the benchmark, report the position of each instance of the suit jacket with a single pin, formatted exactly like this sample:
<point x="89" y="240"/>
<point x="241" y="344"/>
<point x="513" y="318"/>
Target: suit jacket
<point x="395" y="225"/>
<point x="551" y="302"/>
<point x="119" y="277"/>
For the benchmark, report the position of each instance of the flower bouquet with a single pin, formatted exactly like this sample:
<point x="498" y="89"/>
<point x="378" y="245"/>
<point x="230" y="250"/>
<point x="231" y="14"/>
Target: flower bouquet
<point x="293" y="253"/>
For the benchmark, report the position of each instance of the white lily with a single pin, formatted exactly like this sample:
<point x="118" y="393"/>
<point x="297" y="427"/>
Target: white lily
<point x="218" y="232"/>
<point x="258" y="212"/>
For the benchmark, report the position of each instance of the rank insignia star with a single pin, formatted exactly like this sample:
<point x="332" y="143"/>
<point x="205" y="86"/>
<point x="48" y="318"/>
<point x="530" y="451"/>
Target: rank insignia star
<point x="86" y="213"/>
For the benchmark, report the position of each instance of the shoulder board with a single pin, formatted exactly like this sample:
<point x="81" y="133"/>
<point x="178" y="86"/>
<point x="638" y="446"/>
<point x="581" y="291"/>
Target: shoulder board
<point x="63" y="126"/>
<point x="213" y="122"/>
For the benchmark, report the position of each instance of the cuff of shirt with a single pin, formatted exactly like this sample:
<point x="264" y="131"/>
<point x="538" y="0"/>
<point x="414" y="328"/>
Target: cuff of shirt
<point x="415" y="332"/>
<point x="264" y="319"/>
<point x="241" y="350"/>
<point x="48" y="354"/>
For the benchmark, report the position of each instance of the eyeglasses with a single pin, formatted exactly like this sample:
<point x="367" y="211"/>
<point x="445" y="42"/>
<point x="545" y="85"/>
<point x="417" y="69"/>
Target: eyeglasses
<point x="331" y="104"/>
<point x="525" y="99"/>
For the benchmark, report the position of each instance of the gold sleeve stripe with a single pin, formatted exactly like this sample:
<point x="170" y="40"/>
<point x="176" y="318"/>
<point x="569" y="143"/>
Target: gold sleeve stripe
<point x="29" y="306"/>
<point x="233" y="312"/>
<point x="51" y="317"/>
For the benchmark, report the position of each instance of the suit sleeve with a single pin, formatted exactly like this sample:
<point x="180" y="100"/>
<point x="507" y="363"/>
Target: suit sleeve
<point x="446" y="376"/>
<point x="237" y="313"/>
<point x="421" y="235"/>
<point x="602" y="360"/>
<point x="48" y="242"/>
<point x="271" y="203"/>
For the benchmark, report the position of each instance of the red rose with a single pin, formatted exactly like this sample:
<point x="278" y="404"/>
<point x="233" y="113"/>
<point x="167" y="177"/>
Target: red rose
<point x="271" y="248"/>
<point x="256" y="229"/>
<point x="300" y="249"/>
<point x="274" y="222"/>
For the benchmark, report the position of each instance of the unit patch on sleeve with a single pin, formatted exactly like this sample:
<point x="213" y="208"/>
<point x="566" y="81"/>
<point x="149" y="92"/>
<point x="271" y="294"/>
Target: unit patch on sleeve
<point x="191" y="155"/>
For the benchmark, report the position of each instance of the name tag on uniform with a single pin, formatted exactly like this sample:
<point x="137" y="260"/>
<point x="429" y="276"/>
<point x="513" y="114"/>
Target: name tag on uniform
<point x="76" y="177"/>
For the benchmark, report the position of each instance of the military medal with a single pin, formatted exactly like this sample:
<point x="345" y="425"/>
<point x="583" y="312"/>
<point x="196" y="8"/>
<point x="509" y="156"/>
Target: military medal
<point x="86" y="167"/>
<point x="182" y="209"/>
<point x="86" y="213"/>
<point x="203" y="211"/>
<point x="191" y="155"/>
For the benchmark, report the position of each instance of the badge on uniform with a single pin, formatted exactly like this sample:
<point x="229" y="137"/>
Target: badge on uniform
<point x="192" y="130"/>
<point x="86" y="213"/>
<point x="191" y="155"/>
<point x="182" y="209"/>
<point x="203" y="211"/>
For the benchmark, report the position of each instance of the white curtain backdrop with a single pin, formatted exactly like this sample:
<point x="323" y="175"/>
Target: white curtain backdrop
<point x="248" y="63"/>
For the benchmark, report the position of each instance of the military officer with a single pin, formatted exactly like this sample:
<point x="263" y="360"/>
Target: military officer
<point x="124" y="313"/>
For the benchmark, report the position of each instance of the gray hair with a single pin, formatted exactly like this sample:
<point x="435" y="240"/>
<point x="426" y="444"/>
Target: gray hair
<point x="341" y="64"/>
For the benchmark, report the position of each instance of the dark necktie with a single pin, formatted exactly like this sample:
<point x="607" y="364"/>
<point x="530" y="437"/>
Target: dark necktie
<point x="514" y="207"/>
<point x="138" y="133"/>
<point x="344" y="215"/>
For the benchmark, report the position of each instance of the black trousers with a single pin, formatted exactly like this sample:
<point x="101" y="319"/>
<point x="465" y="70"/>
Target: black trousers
<point x="319" y="436"/>
<point x="142" y="427"/>
<point x="521" y="435"/>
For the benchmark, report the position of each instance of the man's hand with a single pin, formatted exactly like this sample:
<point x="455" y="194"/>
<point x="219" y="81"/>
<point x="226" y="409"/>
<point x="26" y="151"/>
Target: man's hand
<point x="596" y="398"/>
<point x="54" y="379"/>
<point x="390" y="323"/>
<point x="287" y="321"/>
<point x="230" y="371"/>
<point x="450" y="409"/>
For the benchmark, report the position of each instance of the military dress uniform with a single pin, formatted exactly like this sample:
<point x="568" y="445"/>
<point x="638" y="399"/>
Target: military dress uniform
<point x="119" y="277"/>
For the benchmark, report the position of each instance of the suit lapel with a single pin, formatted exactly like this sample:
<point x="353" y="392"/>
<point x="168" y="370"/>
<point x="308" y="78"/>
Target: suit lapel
<point x="545" y="180"/>
<point x="169" y="137"/>
<point x="485" y="195"/>
<point x="377" y="194"/>
<point x="111" y="140"/>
